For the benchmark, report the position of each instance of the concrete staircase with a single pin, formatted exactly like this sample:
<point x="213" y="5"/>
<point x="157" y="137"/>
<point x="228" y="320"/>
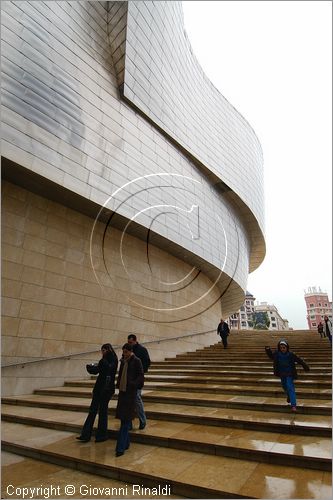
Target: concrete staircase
<point x="218" y="427"/>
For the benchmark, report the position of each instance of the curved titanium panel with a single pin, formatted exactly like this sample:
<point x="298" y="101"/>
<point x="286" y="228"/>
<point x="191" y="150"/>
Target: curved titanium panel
<point x="165" y="81"/>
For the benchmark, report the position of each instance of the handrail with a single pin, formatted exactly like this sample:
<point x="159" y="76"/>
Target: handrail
<point x="69" y="356"/>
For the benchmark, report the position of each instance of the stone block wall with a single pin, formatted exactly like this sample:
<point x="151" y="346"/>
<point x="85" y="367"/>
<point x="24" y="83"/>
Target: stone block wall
<point x="54" y="306"/>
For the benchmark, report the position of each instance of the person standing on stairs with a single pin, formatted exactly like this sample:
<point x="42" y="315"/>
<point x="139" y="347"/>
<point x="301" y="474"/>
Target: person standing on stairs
<point x="140" y="352"/>
<point x="102" y="393"/>
<point x="328" y="328"/>
<point x="130" y="379"/>
<point x="320" y="329"/>
<point x="223" y="331"/>
<point x="285" y="368"/>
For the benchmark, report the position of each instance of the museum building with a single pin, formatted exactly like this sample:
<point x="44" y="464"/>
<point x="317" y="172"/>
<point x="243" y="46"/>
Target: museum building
<point x="132" y="190"/>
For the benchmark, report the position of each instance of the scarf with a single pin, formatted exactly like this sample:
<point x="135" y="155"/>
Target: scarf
<point x="123" y="380"/>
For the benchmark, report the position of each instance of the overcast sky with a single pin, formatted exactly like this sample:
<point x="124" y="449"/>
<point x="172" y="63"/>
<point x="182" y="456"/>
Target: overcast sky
<point x="273" y="61"/>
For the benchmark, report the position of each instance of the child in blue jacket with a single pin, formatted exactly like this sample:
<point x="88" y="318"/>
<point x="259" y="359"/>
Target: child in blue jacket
<point x="285" y="368"/>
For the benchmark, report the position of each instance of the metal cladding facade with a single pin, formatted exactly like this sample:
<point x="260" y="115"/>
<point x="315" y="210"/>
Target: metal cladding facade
<point x="105" y="103"/>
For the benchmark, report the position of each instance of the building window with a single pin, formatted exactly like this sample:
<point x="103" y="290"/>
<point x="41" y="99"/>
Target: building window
<point x="312" y="317"/>
<point x="274" y="325"/>
<point x="273" y="318"/>
<point x="319" y="304"/>
<point x="313" y="324"/>
<point x="311" y="305"/>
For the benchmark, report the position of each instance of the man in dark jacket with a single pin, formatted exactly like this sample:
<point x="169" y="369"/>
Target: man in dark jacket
<point x="320" y="329"/>
<point x="140" y="352"/>
<point x="328" y="328"/>
<point x="102" y="393"/>
<point x="285" y="368"/>
<point x="130" y="379"/>
<point x="223" y="331"/>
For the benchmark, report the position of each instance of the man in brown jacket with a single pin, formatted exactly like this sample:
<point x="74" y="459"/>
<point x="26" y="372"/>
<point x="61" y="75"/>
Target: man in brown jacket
<point x="130" y="379"/>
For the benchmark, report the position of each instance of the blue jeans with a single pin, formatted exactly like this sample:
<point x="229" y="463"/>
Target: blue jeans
<point x="140" y="408"/>
<point x="289" y="388"/>
<point x="123" y="440"/>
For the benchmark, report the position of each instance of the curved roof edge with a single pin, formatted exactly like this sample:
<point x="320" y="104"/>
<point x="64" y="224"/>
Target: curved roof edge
<point x="160" y="77"/>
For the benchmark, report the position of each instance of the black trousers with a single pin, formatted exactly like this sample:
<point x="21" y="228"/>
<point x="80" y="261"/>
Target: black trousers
<point x="224" y="340"/>
<point x="99" y="404"/>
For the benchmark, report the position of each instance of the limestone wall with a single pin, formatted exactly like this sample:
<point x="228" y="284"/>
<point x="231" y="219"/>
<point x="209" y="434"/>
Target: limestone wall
<point x="52" y="303"/>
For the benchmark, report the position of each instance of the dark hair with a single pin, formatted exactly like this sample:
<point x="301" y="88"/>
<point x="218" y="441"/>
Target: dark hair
<point x="131" y="337"/>
<point x="108" y="347"/>
<point x="128" y="347"/>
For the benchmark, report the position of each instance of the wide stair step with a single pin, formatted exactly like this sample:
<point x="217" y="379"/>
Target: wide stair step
<point x="285" y="422"/>
<point x="197" y="475"/>
<point x="253" y="390"/>
<point x="322" y="407"/>
<point x="323" y="374"/>
<point x="211" y="379"/>
<point x="235" y="366"/>
<point x="31" y="473"/>
<point x="235" y="442"/>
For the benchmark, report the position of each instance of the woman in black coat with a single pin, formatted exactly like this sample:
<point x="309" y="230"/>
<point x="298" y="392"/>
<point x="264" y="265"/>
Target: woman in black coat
<point x="130" y="379"/>
<point x="102" y="393"/>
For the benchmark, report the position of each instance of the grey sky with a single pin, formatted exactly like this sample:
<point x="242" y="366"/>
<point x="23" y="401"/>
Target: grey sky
<point x="273" y="62"/>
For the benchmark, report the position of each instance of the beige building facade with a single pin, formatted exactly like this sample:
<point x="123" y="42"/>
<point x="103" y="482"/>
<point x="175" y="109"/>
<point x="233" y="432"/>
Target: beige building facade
<point x="276" y="322"/>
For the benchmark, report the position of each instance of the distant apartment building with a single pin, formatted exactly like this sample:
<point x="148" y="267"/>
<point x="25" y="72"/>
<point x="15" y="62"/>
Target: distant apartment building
<point x="276" y="322"/>
<point x="317" y="306"/>
<point x="244" y="319"/>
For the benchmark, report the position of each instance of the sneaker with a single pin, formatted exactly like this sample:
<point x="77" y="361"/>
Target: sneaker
<point x="142" y="425"/>
<point x="293" y="408"/>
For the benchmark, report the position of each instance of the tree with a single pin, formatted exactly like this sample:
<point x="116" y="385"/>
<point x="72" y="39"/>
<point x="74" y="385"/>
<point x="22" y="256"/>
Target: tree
<point x="261" y="320"/>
